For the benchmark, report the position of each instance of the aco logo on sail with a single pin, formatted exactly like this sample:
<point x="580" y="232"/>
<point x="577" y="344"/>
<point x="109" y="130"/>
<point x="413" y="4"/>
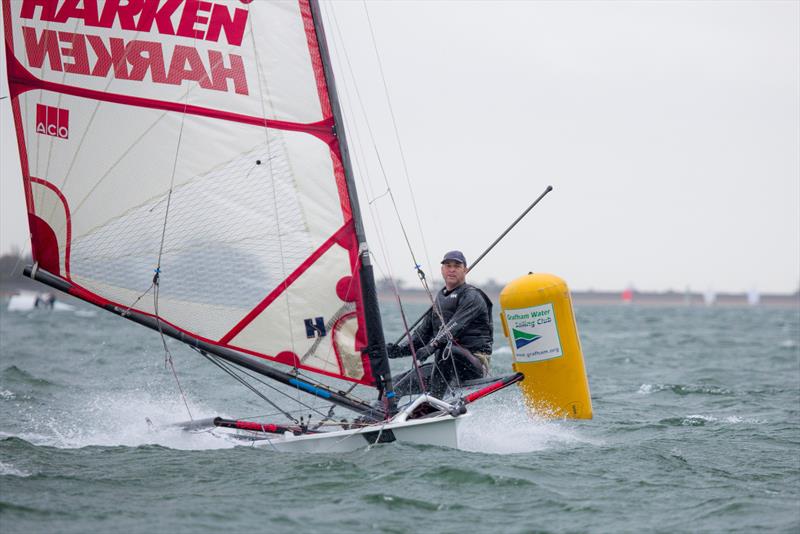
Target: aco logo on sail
<point x="52" y="121"/>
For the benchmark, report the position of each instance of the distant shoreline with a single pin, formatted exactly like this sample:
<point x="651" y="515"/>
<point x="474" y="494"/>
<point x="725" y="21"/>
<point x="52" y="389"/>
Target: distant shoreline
<point x="579" y="298"/>
<point x="13" y="282"/>
<point x="644" y="298"/>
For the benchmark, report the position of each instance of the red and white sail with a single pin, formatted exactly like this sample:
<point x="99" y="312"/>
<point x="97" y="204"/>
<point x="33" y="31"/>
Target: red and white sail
<point x="195" y="137"/>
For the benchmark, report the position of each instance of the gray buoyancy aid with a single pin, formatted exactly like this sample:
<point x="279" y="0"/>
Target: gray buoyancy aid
<point x="467" y="312"/>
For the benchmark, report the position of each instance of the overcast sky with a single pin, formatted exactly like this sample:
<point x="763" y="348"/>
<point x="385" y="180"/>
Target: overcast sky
<point x="670" y="132"/>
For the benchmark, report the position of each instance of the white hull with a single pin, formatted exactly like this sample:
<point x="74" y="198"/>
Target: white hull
<point x="441" y="431"/>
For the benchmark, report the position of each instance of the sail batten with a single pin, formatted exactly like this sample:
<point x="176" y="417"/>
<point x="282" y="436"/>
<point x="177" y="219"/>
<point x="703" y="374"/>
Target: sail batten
<point x="24" y="82"/>
<point x="223" y="108"/>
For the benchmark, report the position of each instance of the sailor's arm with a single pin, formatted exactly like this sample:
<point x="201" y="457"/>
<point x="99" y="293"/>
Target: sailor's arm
<point x="420" y="336"/>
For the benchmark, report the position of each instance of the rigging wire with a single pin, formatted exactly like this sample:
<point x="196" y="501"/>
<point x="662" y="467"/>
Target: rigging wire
<point x="407" y="331"/>
<point x="372" y="208"/>
<point x="420" y="272"/>
<point x="389" y="192"/>
<point x="397" y="135"/>
<point x="167" y="354"/>
<point x="373" y="211"/>
<point x="168" y="360"/>
<point x="237" y="374"/>
<point x="21" y="255"/>
<point x="371" y="136"/>
<point x="227" y="368"/>
<point x="359" y="159"/>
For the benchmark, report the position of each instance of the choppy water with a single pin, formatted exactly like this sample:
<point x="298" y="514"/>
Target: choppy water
<point x="696" y="428"/>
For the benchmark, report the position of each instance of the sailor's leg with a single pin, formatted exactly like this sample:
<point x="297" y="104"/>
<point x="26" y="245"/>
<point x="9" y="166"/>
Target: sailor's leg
<point x="468" y="366"/>
<point x="453" y="368"/>
<point x="408" y="382"/>
<point x="442" y="375"/>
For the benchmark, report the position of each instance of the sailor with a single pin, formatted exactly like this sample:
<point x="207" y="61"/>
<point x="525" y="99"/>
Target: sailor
<point x="457" y="332"/>
<point x="45" y="300"/>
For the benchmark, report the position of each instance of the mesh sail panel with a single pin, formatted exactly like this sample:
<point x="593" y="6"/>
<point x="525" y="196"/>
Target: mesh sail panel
<point x="228" y="236"/>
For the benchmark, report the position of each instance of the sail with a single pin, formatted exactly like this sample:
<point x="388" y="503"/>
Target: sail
<point x="193" y="140"/>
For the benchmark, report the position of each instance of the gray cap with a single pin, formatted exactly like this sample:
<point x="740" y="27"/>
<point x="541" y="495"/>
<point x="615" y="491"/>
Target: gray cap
<point x="455" y="255"/>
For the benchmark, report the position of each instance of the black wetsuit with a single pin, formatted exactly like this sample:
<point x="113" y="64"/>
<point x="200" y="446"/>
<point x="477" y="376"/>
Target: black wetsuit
<point x="467" y="314"/>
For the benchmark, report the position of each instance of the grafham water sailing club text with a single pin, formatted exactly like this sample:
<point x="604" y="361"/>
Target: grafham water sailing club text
<point x="134" y="59"/>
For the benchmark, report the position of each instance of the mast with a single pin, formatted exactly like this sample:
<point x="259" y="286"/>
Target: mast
<point x="376" y="342"/>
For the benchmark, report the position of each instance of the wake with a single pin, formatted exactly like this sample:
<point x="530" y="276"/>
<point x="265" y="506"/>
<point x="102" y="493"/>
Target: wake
<point x="128" y="419"/>
<point x="504" y="425"/>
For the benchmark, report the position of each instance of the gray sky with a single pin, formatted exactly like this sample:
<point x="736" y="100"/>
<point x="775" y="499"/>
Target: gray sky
<point x="669" y="130"/>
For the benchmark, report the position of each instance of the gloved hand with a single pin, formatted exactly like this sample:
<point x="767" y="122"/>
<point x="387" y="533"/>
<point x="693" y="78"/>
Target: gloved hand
<point x="394" y="351"/>
<point x="425" y="352"/>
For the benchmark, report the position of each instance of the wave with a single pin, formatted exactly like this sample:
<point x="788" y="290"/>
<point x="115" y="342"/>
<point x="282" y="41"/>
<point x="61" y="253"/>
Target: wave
<point x="16" y="375"/>
<point x="396" y="502"/>
<point x="121" y="419"/>
<point x="7" y="469"/>
<point x="504" y="425"/>
<point x="702" y="420"/>
<point x="684" y="389"/>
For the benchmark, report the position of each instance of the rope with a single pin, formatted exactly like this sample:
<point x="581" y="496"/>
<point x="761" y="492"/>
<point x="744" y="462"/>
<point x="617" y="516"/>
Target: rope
<point x="21" y="254"/>
<point x="236" y="375"/>
<point x="388" y="192"/>
<point x="156" y="277"/>
<point x="371" y="136"/>
<point x="415" y="361"/>
<point x="168" y="354"/>
<point x="329" y="416"/>
<point x="359" y="161"/>
<point x="397" y="135"/>
<point x="246" y="384"/>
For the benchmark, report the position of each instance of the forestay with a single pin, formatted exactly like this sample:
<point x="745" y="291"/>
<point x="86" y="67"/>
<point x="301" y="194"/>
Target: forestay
<point x="195" y="138"/>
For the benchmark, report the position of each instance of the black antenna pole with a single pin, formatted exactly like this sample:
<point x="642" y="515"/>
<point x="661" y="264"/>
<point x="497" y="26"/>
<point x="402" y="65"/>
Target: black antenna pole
<point x="379" y="361"/>
<point x="518" y="219"/>
<point x="485" y="252"/>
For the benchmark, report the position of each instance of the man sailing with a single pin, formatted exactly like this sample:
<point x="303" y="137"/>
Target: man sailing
<point x="457" y="332"/>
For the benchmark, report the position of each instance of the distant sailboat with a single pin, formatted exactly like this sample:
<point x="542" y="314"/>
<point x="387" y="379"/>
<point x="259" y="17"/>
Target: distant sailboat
<point x="753" y="297"/>
<point x="627" y="295"/>
<point x="710" y="297"/>
<point x="27" y="301"/>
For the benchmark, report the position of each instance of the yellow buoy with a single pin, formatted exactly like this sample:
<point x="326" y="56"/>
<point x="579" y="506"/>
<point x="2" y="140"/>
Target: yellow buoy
<point x="536" y="312"/>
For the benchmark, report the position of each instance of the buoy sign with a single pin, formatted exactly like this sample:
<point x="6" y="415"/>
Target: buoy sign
<point x="534" y="333"/>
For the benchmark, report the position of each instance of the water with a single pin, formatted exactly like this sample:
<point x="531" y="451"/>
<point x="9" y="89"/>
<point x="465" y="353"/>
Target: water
<point x="695" y="429"/>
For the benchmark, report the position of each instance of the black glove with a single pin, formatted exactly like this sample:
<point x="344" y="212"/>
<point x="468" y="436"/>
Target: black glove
<point x="394" y="351"/>
<point x="425" y="352"/>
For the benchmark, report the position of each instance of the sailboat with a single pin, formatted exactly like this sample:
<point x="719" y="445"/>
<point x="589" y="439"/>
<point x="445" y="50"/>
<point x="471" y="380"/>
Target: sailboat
<point x="185" y="167"/>
<point x="753" y="297"/>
